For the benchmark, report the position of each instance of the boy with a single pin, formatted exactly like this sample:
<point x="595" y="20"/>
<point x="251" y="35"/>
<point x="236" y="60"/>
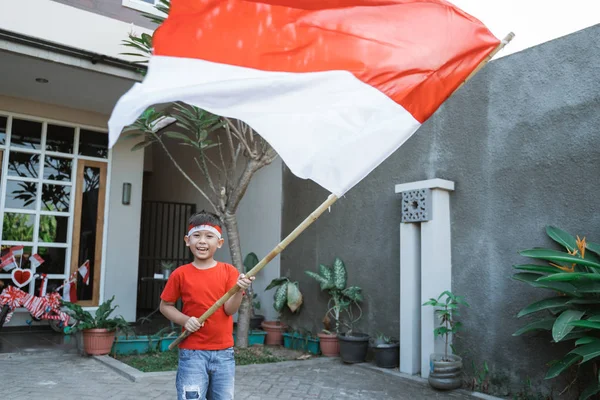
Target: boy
<point x="206" y="364"/>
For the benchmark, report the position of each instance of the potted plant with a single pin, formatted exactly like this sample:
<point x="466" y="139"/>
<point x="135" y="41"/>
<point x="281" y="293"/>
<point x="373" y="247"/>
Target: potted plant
<point x="140" y="344"/>
<point x="446" y="369"/>
<point x="386" y="351"/>
<point x="301" y="339"/>
<point x="167" y="267"/>
<point x="352" y="346"/>
<point x="256" y="319"/>
<point x="98" y="330"/>
<point x="287" y="294"/>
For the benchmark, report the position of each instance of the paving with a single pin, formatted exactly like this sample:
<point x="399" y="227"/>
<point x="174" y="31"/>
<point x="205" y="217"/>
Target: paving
<point x="59" y="375"/>
<point x="53" y="370"/>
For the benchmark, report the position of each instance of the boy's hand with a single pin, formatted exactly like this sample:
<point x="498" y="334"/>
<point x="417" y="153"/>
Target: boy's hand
<point x="192" y="324"/>
<point x="244" y="282"/>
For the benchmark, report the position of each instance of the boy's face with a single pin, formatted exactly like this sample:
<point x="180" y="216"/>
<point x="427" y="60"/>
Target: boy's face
<point x="203" y="244"/>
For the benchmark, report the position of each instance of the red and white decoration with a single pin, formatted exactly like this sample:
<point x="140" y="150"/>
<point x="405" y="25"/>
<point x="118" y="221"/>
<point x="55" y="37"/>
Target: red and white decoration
<point x="210" y="228"/>
<point x="8" y="262"/>
<point x="84" y="271"/>
<point x="335" y="86"/>
<point x="43" y="285"/>
<point x="21" y="277"/>
<point x="35" y="261"/>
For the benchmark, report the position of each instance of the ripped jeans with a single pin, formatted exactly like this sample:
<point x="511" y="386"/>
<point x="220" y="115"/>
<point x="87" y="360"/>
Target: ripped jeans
<point x="206" y="374"/>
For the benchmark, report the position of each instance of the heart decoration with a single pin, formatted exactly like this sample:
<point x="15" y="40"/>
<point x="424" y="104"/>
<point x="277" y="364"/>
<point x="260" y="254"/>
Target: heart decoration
<point x="21" y="277"/>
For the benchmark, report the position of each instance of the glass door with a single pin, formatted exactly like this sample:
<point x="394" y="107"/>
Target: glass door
<point x="88" y="225"/>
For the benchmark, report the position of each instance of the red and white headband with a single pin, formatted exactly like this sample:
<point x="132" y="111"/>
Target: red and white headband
<point x="210" y="228"/>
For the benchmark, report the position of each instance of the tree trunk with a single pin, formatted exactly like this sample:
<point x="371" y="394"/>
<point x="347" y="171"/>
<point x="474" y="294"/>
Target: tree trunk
<point x="235" y="248"/>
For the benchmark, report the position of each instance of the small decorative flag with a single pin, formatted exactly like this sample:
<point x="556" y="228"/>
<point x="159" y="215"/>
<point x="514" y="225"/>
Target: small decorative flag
<point x="84" y="271"/>
<point x="36" y="260"/>
<point x="17" y="251"/>
<point x="70" y="292"/>
<point x="8" y="262"/>
<point x="43" y="285"/>
<point x="335" y="86"/>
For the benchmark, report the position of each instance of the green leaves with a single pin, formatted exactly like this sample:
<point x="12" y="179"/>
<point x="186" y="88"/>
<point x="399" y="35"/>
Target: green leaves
<point x="562" y="365"/>
<point x="545" y="324"/>
<point x="545" y="304"/>
<point x="280" y="297"/>
<point x="561" y="237"/>
<point x="327" y="275"/>
<point x="334" y="280"/>
<point x="562" y="326"/>
<point x="339" y="274"/>
<point x="294" y="297"/>
<point x="287" y="293"/>
<point x="250" y="261"/>
<point x="558" y="256"/>
<point x="588" y="351"/>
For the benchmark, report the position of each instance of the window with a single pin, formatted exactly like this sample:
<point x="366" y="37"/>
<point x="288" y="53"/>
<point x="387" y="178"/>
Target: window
<point x="52" y="196"/>
<point x="146" y="6"/>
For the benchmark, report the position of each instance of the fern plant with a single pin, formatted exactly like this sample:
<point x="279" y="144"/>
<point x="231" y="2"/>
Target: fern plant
<point x="333" y="280"/>
<point x="99" y="320"/>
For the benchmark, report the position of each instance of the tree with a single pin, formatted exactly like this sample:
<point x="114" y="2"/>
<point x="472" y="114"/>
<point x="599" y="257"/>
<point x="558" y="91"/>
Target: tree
<point x="240" y="150"/>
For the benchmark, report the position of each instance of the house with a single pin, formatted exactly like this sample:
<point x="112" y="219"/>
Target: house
<point x="65" y="195"/>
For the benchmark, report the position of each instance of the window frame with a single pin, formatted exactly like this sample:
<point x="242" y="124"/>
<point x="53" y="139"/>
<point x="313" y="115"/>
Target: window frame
<point x="37" y="212"/>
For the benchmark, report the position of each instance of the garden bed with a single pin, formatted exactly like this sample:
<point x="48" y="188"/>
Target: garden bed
<point x="167" y="361"/>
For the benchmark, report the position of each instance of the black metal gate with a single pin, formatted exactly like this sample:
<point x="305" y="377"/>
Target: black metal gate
<point x="163" y="227"/>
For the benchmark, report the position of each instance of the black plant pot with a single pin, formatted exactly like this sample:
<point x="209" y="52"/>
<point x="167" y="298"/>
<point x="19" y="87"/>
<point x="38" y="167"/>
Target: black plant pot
<point x="353" y="348"/>
<point x="387" y="355"/>
<point x="256" y="321"/>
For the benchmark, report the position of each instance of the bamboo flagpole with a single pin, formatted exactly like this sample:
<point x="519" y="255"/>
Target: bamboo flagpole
<point x="311" y="218"/>
<point x="278" y="249"/>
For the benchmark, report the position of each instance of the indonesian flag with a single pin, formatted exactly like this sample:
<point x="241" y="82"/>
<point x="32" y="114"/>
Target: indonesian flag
<point x="17" y="251"/>
<point x="36" y="260"/>
<point x="70" y="291"/>
<point x="335" y="86"/>
<point x="84" y="271"/>
<point x="8" y="262"/>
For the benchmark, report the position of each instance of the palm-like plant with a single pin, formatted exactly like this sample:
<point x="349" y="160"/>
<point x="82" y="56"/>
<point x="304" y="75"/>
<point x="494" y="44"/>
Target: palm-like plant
<point x="333" y="280"/>
<point x="574" y="313"/>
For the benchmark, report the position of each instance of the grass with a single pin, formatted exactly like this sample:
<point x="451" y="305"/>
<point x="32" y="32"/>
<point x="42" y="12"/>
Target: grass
<point x="167" y="361"/>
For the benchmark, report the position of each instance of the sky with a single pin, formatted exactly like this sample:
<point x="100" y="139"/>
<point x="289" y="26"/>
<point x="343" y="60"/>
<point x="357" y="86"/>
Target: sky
<point x="532" y="21"/>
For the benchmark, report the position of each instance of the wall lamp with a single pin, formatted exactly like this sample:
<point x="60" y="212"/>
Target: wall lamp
<point x="126" y="198"/>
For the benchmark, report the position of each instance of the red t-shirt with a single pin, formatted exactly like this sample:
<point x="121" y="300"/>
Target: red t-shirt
<point x="199" y="289"/>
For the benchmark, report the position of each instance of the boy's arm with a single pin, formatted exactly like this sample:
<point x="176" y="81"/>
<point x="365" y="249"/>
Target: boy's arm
<point x="169" y="310"/>
<point x="233" y="304"/>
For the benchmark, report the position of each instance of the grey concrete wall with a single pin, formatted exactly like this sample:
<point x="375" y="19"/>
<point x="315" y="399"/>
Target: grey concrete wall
<point x="110" y="8"/>
<point x="521" y="142"/>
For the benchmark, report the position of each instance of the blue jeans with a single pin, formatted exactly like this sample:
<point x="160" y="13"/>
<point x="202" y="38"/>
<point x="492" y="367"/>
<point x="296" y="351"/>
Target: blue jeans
<point x="206" y="374"/>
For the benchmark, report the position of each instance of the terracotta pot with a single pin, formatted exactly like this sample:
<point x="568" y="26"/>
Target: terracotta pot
<point x="329" y="344"/>
<point x="98" y="342"/>
<point x="274" y="331"/>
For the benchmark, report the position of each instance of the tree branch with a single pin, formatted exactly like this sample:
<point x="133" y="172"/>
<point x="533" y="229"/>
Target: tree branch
<point x="186" y="176"/>
<point x="204" y="169"/>
<point x="240" y="135"/>
<point x="242" y="185"/>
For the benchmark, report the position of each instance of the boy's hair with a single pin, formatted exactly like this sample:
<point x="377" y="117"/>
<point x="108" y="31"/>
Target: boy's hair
<point x="204" y="218"/>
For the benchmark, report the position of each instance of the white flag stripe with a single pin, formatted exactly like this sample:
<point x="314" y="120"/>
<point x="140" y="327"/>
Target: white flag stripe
<point x="340" y="128"/>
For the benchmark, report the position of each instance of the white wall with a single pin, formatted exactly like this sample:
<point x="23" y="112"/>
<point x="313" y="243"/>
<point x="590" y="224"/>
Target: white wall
<point x="259" y="222"/>
<point x="123" y="229"/>
<point x="67" y="25"/>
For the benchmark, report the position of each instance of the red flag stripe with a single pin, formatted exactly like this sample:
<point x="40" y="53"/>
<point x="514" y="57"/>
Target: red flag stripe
<point x="430" y="47"/>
